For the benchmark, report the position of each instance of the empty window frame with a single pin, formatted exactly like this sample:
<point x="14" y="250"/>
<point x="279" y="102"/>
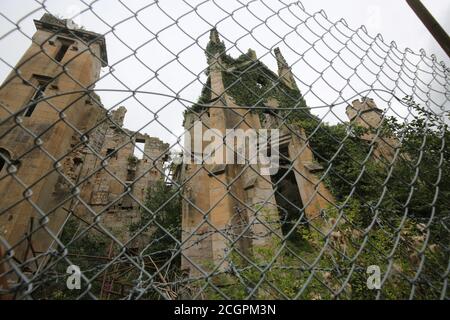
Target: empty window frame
<point x="139" y="147"/>
<point x="63" y="48"/>
<point x="40" y="84"/>
<point x="110" y="152"/>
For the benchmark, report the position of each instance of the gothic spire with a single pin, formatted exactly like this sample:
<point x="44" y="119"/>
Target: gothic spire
<point x="284" y="71"/>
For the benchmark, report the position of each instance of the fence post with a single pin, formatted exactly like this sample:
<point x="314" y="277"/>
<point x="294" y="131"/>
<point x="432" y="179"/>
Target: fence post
<point x="432" y="25"/>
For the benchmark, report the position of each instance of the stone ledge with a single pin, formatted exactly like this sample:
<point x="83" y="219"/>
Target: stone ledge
<point x="313" y="167"/>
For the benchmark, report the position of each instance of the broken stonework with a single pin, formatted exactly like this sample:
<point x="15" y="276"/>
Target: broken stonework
<point x="85" y="169"/>
<point x="234" y="203"/>
<point x="366" y="114"/>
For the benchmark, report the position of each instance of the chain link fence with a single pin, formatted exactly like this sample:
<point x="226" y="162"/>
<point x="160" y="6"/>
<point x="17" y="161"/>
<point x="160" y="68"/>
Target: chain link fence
<point x="114" y="128"/>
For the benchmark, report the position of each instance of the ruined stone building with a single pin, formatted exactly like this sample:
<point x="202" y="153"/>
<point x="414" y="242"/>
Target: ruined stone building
<point x="112" y="180"/>
<point x="63" y="154"/>
<point x="234" y="204"/>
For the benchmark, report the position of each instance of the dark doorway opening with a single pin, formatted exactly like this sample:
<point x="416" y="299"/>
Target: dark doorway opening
<point x="287" y="196"/>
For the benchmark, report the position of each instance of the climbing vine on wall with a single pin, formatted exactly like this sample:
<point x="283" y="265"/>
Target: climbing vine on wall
<point x="370" y="193"/>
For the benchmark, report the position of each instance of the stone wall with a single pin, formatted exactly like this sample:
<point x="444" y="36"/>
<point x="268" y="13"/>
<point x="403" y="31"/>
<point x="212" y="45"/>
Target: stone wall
<point x="115" y="181"/>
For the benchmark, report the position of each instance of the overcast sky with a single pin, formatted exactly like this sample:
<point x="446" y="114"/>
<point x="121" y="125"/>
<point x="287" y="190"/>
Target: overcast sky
<point x="173" y="63"/>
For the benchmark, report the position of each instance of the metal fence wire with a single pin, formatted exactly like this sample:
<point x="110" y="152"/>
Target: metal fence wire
<point x="345" y="195"/>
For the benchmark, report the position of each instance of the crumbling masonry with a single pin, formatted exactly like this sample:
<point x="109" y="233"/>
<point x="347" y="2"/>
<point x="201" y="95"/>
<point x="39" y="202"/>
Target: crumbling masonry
<point x="365" y="113"/>
<point x="63" y="154"/>
<point x="234" y="205"/>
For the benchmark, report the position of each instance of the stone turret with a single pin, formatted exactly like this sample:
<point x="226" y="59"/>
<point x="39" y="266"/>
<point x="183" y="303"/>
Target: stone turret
<point x="118" y="116"/>
<point x="284" y="71"/>
<point x="366" y="114"/>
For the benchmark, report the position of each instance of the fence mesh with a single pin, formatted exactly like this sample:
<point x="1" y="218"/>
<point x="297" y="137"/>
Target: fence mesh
<point x="99" y="205"/>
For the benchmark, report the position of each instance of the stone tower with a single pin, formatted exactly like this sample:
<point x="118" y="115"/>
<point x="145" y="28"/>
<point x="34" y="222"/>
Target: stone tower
<point x="46" y="107"/>
<point x="235" y="206"/>
<point x="366" y="114"/>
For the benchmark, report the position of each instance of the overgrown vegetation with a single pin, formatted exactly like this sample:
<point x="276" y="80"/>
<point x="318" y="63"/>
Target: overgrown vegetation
<point x="250" y="83"/>
<point x="86" y="248"/>
<point x="161" y="225"/>
<point x="392" y="216"/>
<point x="132" y="160"/>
